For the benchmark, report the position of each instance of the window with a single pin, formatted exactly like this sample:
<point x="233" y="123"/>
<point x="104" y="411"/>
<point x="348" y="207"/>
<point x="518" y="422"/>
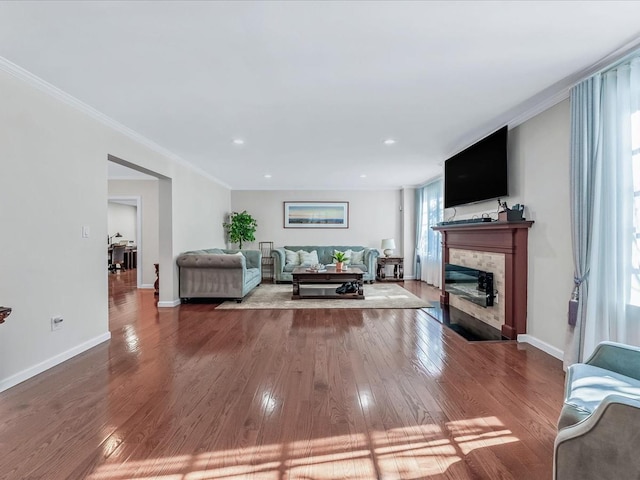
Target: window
<point x="432" y="208"/>
<point x="428" y="247"/>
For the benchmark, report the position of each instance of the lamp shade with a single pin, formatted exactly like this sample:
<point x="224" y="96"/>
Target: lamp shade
<point x="388" y="245"/>
<point x="117" y="235"/>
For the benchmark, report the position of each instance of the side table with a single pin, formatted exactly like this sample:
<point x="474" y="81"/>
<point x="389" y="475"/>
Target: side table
<point x="156" y="284"/>
<point x="398" y="269"/>
<point x="4" y="313"/>
<point x="267" y="261"/>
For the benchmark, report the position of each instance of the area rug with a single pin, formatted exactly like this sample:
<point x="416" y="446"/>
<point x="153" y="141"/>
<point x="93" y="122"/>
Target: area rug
<point x="378" y="295"/>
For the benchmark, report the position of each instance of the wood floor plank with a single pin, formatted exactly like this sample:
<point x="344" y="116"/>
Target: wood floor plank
<point x="197" y="392"/>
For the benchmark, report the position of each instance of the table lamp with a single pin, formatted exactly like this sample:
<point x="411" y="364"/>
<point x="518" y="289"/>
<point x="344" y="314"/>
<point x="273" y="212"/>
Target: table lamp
<point x="388" y="246"/>
<point x="117" y="235"/>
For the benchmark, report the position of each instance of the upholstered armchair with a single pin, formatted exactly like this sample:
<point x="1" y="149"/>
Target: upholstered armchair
<point x="599" y="427"/>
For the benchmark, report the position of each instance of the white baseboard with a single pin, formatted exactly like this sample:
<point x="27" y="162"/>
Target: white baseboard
<point x="26" y="374"/>
<point x="169" y="304"/>
<point x="409" y="277"/>
<point x="544" y="346"/>
<point x="148" y="286"/>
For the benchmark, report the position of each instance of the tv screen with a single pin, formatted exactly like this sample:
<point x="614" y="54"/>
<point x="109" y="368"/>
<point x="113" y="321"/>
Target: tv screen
<point x="477" y="173"/>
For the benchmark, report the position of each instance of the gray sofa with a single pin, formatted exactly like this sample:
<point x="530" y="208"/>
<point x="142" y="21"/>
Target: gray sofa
<point x="599" y="426"/>
<point x="282" y="270"/>
<point x="218" y="273"/>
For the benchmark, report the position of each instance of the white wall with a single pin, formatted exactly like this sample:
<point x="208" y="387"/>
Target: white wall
<point x="539" y="178"/>
<point x="121" y="219"/>
<point x="203" y="207"/>
<point x="54" y="162"/>
<point x="541" y="150"/>
<point x="148" y="247"/>
<point x="373" y="215"/>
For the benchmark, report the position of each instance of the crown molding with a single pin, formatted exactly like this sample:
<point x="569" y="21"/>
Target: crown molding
<point x="133" y="179"/>
<point x="290" y="188"/>
<point x="561" y="90"/>
<point x="34" y="81"/>
<point x="548" y="97"/>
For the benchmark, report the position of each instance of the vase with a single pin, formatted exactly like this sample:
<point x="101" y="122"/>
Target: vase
<point x="339" y="266"/>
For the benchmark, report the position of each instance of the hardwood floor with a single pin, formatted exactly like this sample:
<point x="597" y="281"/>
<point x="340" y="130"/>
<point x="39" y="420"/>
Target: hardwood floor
<point x="196" y="393"/>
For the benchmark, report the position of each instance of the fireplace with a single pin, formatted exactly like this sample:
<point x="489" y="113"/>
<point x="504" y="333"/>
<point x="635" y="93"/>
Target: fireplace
<point x="469" y="283"/>
<point x="500" y="248"/>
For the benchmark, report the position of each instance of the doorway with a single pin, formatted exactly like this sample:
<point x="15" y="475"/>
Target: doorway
<point x="150" y="193"/>
<point x="124" y="226"/>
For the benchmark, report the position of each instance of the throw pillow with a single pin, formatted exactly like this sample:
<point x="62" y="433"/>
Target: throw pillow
<point x="291" y="257"/>
<point x="347" y="253"/>
<point x="357" y="257"/>
<point x="308" y="258"/>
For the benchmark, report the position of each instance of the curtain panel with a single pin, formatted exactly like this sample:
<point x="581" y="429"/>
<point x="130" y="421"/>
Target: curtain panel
<point x="429" y="244"/>
<point x="417" y="260"/>
<point x="602" y="208"/>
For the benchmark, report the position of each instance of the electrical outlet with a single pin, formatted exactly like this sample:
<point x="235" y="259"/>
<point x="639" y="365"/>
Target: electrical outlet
<point x="495" y="299"/>
<point x="56" y="322"/>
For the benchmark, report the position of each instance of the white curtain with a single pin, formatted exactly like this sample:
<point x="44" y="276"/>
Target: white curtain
<point x="419" y="233"/>
<point x="429" y="245"/>
<point x="603" y="215"/>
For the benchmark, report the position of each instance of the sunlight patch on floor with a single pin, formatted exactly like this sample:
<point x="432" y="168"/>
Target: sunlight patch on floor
<point x="417" y="451"/>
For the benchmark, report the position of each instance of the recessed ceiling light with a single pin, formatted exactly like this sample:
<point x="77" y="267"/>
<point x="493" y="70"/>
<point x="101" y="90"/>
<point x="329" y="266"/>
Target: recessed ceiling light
<point x="267" y="175"/>
<point x="389" y="141"/>
<point x="238" y="141"/>
<point x="363" y="176"/>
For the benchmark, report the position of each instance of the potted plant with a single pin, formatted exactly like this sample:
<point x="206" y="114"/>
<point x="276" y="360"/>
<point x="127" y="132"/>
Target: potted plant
<point x="340" y="258"/>
<point x="241" y="228"/>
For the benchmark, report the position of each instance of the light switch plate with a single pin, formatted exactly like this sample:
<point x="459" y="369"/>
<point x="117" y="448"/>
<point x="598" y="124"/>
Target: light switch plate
<point x="85" y="231"/>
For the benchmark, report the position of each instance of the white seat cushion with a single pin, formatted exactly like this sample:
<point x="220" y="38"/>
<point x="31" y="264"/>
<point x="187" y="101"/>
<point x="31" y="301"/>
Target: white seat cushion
<point x="587" y="386"/>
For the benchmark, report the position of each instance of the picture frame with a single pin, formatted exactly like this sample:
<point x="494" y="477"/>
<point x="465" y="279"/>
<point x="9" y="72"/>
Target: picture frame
<point x="316" y="214"/>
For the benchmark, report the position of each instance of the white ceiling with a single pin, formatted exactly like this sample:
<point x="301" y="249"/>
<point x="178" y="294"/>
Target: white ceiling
<point x="314" y="88"/>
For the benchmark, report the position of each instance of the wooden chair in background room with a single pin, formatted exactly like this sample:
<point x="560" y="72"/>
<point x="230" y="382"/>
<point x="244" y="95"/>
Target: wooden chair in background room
<point x="117" y="258"/>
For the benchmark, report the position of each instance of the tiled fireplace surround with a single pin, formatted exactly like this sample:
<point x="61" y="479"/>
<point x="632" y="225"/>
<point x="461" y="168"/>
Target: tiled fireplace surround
<point x="499" y="248"/>
<point x="488" y="262"/>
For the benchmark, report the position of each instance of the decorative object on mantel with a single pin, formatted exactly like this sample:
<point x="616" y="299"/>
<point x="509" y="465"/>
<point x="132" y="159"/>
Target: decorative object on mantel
<point x="388" y="246"/>
<point x="4" y="313"/>
<point x="514" y="214"/>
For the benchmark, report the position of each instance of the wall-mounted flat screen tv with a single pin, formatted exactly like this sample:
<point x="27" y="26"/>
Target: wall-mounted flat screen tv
<point x="477" y="173"/>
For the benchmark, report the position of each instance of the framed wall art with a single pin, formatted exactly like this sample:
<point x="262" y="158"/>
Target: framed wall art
<point x="316" y="214"/>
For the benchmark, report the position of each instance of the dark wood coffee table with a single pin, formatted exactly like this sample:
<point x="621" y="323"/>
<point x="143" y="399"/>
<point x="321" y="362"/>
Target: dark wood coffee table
<point x="307" y="284"/>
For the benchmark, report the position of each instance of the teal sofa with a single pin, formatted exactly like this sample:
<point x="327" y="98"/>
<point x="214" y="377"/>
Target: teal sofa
<point x="599" y="426"/>
<point x="282" y="270"/>
<point x="218" y="273"/>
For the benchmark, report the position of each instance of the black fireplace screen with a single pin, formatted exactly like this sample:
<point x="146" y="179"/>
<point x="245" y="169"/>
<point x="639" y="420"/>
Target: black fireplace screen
<point x="469" y="283"/>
